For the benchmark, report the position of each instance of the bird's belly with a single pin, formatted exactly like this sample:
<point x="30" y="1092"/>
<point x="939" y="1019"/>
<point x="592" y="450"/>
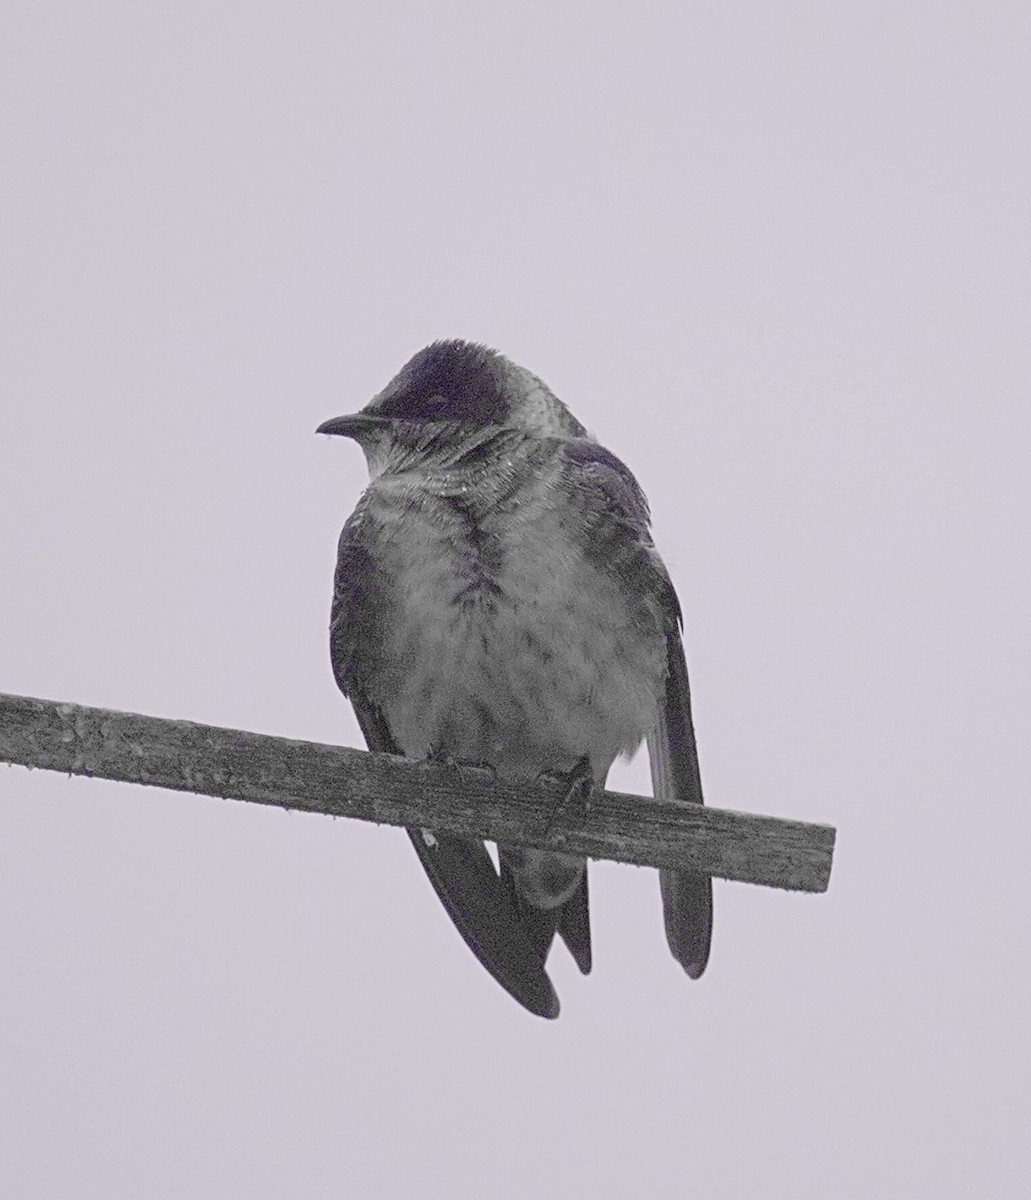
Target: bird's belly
<point x="544" y="664"/>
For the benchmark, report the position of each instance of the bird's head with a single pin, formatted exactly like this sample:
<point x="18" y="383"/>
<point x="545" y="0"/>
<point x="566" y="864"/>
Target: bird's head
<point x="448" y="393"/>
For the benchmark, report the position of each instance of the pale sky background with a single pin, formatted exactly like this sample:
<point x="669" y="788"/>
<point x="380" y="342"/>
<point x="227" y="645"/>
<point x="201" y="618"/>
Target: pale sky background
<point x="776" y="256"/>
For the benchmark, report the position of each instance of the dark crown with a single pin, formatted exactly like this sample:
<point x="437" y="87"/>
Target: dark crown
<point x="447" y="381"/>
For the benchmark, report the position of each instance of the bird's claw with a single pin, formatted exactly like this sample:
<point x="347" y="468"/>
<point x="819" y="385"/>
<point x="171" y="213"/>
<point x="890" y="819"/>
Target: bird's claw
<point x="580" y="784"/>
<point x="441" y="758"/>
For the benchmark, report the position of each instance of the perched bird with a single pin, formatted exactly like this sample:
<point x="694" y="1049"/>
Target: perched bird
<point x="498" y="601"/>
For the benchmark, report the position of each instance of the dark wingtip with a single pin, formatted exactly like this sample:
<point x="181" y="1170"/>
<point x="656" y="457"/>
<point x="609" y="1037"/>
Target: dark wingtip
<point x="687" y="908"/>
<point x="574" y="926"/>
<point x="464" y="878"/>
<point x="551" y="1013"/>
<point x="538" y="997"/>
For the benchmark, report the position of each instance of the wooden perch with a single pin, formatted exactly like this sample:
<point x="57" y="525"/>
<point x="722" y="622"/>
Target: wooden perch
<point x="340" y="782"/>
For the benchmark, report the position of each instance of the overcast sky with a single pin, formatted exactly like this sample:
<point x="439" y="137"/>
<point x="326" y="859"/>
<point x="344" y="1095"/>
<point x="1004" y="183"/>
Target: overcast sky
<point x="776" y="257"/>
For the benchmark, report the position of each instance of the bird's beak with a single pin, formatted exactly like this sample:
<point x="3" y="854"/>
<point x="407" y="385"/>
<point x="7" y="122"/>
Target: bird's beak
<point x="354" y="425"/>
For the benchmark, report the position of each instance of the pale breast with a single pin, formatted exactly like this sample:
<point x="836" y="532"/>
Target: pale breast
<point x="507" y="644"/>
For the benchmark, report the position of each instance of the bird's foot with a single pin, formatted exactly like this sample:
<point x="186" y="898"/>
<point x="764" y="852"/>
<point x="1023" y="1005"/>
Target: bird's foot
<point x="442" y="758"/>
<point x="580" y="785"/>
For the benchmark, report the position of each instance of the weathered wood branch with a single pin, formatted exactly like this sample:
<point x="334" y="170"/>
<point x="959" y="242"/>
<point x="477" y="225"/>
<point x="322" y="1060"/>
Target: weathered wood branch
<point x="341" y="782"/>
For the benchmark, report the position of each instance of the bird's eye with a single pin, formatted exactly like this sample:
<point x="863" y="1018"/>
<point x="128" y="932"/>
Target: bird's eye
<point x="431" y="406"/>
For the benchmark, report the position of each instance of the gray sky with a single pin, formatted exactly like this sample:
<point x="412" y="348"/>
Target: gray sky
<point x="776" y="257"/>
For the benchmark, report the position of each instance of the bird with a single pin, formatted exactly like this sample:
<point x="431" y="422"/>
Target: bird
<point x="498" y="601"/>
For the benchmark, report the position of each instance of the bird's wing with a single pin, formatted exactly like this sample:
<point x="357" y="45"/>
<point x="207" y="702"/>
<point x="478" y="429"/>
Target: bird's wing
<point x="686" y="895"/>
<point x="615" y="519"/>
<point x="459" y="868"/>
